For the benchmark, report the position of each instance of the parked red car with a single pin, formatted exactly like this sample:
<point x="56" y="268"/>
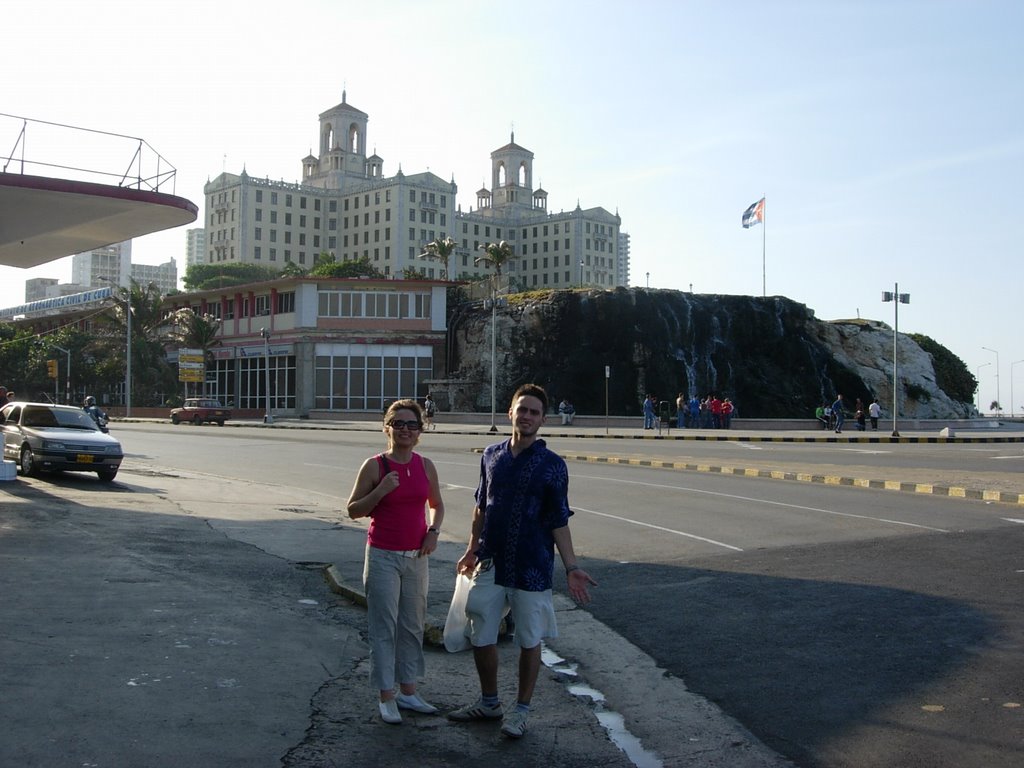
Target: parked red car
<point x="197" y="410"/>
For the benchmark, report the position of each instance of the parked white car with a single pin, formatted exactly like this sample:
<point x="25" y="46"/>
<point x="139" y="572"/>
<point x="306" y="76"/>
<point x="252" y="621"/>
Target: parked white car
<point x="57" y="438"/>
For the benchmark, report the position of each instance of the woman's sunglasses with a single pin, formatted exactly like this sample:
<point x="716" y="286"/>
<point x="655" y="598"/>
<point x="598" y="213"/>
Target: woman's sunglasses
<point x="411" y="425"/>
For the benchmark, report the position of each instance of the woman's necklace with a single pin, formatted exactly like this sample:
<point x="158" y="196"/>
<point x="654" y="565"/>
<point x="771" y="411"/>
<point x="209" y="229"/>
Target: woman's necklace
<point x="407" y="464"/>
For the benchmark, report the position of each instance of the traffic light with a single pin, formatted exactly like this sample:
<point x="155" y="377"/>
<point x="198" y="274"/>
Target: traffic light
<point x="51" y="369"/>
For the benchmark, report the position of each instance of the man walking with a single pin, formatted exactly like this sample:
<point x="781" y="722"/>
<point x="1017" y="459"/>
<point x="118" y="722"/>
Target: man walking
<point x="874" y="411"/>
<point x="521" y="516"/>
<point x="837" y="411"/>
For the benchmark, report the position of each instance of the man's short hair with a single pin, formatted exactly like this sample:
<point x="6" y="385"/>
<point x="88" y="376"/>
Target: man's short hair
<point x="532" y="390"/>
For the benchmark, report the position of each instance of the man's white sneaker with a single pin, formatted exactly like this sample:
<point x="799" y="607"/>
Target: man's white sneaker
<point x="475" y="711"/>
<point x="514" y="724"/>
<point x="415" y="703"/>
<point x="389" y="712"/>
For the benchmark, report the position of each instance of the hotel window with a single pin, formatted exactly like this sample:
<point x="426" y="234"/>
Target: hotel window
<point x="273" y="198"/>
<point x="285" y="302"/>
<point x="258" y="234"/>
<point x="259" y="195"/>
<point x="259" y="214"/>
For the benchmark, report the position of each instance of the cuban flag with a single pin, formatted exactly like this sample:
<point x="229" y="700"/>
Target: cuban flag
<point x="754" y="214"/>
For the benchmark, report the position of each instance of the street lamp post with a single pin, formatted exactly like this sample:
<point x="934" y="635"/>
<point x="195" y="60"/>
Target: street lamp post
<point x="896" y="298"/>
<point x="268" y="418"/>
<point x="977" y="377"/>
<point x="648" y="279"/>
<point x="67" y="374"/>
<point x="999" y="400"/>
<point x="1011" y="384"/>
<point x="581" y="273"/>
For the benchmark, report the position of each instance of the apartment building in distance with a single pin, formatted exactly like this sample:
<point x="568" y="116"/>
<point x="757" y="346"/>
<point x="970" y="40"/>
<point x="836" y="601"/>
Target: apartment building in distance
<point x="101" y="268"/>
<point x="346" y="206"/>
<point x="195" y="246"/>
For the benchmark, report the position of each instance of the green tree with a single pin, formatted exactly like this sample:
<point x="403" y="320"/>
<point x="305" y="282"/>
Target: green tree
<point x="15" y="348"/>
<point x="952" y="375"/>
<point x="191" y="330"/>
<point x="358" y="268"/>
<point x="202" y="277"/>
<point x="152" y="376"/>
<point x="439" y="250"/>
<point x="291" y="269"/>
<point x="495" y="255"/>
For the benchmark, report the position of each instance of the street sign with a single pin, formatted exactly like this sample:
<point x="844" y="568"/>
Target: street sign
<point x="191" y="374"/>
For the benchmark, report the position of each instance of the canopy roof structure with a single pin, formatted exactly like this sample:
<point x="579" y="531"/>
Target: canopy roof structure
<point x="43" y="219"/>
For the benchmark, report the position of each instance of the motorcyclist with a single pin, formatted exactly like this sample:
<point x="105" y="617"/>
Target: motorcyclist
<point x="94" y="411"/>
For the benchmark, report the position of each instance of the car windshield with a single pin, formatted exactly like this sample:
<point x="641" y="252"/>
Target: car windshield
<point x="63" y="418"/>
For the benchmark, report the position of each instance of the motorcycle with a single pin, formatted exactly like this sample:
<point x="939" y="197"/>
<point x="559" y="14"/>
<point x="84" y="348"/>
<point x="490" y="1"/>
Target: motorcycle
<point x="99" y="417"/>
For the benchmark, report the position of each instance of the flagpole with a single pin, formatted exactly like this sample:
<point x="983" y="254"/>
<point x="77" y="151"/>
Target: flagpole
<point x="764" y="226"/>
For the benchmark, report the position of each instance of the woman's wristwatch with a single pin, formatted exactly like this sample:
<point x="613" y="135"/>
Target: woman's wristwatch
<point x="432" y="529"/>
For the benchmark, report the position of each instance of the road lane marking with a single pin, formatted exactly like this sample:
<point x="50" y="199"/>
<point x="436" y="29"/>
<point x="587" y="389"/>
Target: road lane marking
<point x="1013" y="520"/>
<point x="776" y="504"/>
<point x="745" y="446"/>
<point x="657" y="528"/>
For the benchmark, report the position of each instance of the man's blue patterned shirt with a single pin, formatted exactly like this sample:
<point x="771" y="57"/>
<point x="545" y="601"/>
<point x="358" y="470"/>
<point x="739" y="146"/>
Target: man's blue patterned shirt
<point x="523" y="499"/>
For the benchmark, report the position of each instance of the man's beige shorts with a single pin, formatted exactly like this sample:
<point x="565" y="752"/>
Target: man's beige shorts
<point x="532" y="612"/>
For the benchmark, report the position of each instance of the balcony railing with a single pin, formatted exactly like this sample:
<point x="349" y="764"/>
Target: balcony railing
<point x="42" y="148"/>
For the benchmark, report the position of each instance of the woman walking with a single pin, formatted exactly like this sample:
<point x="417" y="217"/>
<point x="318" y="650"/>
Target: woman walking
<point x="397" y="489"/>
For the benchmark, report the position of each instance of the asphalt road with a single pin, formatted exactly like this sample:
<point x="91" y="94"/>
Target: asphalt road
<point x="842" y="626"/>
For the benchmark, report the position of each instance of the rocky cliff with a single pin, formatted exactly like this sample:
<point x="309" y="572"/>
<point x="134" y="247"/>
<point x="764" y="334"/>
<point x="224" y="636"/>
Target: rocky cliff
<point x="771" y="356"/>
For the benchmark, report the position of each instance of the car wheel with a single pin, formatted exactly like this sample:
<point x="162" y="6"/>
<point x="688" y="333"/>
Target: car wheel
<point x="220" y="423"/>
<point x="175" y="419"/>
<point x="197" y="420"/>
<point x="106" y="475"/>
<point x="28" y="464"/>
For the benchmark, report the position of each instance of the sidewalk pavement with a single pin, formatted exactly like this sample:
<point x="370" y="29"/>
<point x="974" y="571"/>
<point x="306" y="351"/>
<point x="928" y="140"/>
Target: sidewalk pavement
<point x="599" y="700"/>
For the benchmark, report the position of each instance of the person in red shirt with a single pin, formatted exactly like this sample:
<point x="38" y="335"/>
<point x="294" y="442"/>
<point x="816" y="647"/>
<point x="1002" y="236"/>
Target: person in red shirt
<point x="396" y="489"/>
<point x="716" y="412"/>
<point x="727" y="409"/>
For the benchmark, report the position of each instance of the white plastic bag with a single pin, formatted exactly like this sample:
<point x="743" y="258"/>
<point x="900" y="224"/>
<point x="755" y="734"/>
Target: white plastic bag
<point x="456" y="626"/>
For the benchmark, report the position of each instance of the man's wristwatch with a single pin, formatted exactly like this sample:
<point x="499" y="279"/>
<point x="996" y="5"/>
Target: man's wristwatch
<point x="432" y="529"/>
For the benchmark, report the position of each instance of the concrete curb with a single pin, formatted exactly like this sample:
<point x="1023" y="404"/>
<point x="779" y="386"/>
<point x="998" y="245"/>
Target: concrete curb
<point x="958" y="492"/>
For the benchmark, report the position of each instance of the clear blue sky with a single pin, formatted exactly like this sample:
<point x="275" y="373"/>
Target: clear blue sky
<point x="887" y="136"/>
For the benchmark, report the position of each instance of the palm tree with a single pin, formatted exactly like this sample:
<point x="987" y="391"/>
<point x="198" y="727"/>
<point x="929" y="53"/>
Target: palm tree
<point x="439" y="250"/>
<point x="194" y="331"/>
<point x="495" y="254"/>
<point x="151" y="375"/>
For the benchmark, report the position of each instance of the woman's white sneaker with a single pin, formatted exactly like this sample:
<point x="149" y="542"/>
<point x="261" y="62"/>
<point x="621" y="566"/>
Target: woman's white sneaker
<point x="415" y="703"/>
<point x="389" y="712"/>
